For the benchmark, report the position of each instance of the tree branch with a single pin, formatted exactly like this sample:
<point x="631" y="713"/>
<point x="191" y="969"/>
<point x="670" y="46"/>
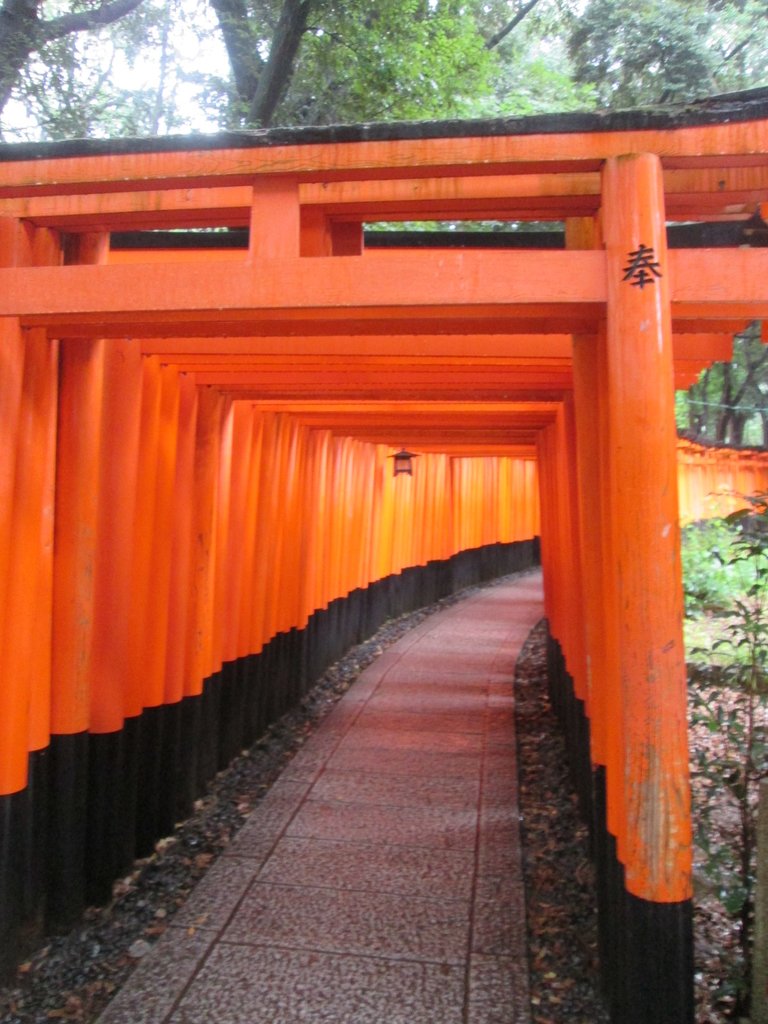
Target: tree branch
<point x="504" y="32"/>
<point x="280" y="65"/>
<point x="83" y="21"/>
<point x="244" y="58"/>
<point x="18" y="38"/>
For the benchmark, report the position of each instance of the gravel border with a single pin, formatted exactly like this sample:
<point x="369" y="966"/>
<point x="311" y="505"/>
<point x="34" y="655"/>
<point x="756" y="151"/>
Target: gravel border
<point x="73" y="976"/>
<point x="559" y="876"/>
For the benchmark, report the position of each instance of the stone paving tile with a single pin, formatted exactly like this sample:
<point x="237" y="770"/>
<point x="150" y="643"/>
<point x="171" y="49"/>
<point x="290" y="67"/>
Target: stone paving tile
<point x="498" y="991"/>
<point x="160" y="978"/>
<point x="500" y="791"/>
<point x="420" y="721"/>
<point x="267" y="820"/>
<point x="499" y="915"/>
<point x="499" y="925"/>
<point x="407" y="762"/>
<point x="432" y="699"/>
<point x="423" y="741"/>
<point x="253" y="985"/>
<point x="408" y="870"/>
<point x="443" y="828"/>
<point x="251" y="845"/>
<point x="305" y="766"/>
<point x="218" y="893"/>
<point x="453" y="643"/>
<point x="499" y="826"/>
<point x="340" y="717"/>
<point x="503" y="886"/>
<point x="502" y="861"/>
<point x="424" y="673"/>
<point x="396" y="790"/>
<point x="361" y="923"/>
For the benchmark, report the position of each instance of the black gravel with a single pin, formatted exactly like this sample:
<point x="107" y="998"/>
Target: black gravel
<point x="559" y="878"/>
<point x="73" y="976"/>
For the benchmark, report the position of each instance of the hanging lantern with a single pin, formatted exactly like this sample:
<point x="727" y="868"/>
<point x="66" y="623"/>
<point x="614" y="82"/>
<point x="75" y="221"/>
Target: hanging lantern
<point x="403" y="462"/>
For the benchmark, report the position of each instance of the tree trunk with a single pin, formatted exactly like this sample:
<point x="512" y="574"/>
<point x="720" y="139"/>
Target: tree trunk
<point x="18" y="38"/>
<point x="22" y="31"/>
<point x="280" y="65"/>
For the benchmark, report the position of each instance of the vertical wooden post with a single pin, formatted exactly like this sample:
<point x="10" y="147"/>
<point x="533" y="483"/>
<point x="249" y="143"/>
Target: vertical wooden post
<point x="656" y="847"/>
<point x="75" y="571"/>
<point x="28" y="388"/>
<point x="13" y="703"/>
<point x="322" y="236"/>
<point x="199" y="656"/>
<point x="113" y="746"/>
<point x="179" y="616"/>
<point x="275" y="223"/>
<point x="247" y="639"/>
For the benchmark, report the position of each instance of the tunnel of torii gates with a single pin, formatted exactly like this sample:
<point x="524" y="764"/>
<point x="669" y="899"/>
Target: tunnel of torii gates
<point x="197" y="506"/>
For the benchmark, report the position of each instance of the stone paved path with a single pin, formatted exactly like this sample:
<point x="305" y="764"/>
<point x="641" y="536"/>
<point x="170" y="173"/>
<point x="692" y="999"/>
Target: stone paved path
<point x="379" y="881"/>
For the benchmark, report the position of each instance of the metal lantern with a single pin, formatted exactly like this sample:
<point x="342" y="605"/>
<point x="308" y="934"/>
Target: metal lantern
<point x="403" y="462"/>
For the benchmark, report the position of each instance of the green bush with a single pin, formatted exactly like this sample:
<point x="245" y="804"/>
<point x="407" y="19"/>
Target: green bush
<point x="727" y="571"/>
<point x="713" y="577"/>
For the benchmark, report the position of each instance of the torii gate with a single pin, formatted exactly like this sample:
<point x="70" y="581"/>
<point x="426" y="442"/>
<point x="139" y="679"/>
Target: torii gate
<point x="188" y="371"/>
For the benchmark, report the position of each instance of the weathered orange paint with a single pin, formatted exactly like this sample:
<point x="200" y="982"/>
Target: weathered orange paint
<point x="733" y="145"/>
<point x="692" y="194"/>
<point x="199" y="654"/>
<point x="656" y="841"/>
<point x="76" y="528"/>
<point x="181" y="542"/>
<point x="114" y="557"/>
<point x="715" y="481"/>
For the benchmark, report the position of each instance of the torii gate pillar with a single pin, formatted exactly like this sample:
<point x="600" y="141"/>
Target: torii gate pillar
<point x="654" y="840"/>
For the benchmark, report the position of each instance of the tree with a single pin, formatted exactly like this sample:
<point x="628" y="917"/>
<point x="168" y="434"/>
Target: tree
<point x="117" y="67"/>
<point x="534" y="72"/>
<point x="728" y="404"/>
<point x="665" y="50"/>
<point x="319" y="61"/>
<point x="265" y="62"/>
<point x="24" y="30"/>
<point x="132" y="77"/>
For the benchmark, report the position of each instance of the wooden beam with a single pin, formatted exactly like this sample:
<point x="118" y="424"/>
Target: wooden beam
<point x="403" y="283"/>
<point x="738" y="144"/>
<point x="696" y="192"/>
<point x="495" y="287"/>
<point x="693" y="195"/>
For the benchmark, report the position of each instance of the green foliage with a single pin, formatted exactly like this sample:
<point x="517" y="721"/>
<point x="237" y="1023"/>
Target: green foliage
<point x="398" y="59"/>
<point x="730" y="705"/>
<point x="665" y="50"/>
<point x="534" y="73"/>
<point x="714" y="576"/>
<point x="728" y="404"/>
<point x="123" y="79"/>
<point x="201" y="64"/>
<point x="656" y="51"/>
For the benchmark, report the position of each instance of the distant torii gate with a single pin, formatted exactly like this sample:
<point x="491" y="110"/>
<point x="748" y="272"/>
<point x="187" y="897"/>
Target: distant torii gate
<point x="194" y="443"/>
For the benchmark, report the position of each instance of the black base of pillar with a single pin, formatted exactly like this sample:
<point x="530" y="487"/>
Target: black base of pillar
<point x="23" y="865"/>
<point x="67" y="828"/>
<point x="646" y="948"/>
<point x="112" y="782"/>
<point x="658" y="962"/>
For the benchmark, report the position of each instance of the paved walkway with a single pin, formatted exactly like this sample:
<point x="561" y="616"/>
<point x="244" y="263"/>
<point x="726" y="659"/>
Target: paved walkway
<point x="379" y="881"/>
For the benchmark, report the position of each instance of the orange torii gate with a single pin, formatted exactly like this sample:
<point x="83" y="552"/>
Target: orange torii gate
<point x="197" y="511"/>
